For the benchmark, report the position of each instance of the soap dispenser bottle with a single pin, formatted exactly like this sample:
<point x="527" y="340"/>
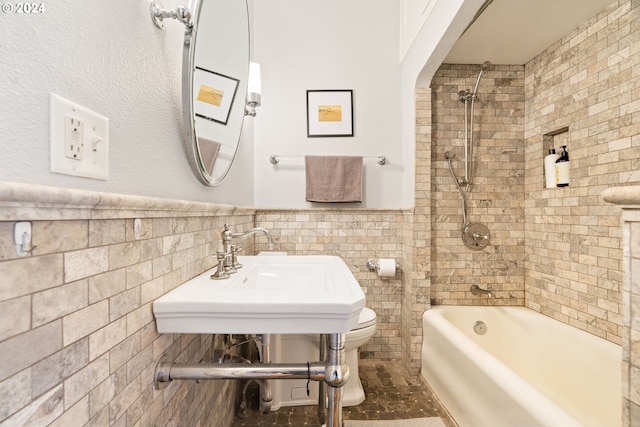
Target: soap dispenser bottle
<point x="550" y="168"/>
<point x="562" y="168"/>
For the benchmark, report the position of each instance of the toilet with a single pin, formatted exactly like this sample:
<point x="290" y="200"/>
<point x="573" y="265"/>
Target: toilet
<point x="301" y="348"/>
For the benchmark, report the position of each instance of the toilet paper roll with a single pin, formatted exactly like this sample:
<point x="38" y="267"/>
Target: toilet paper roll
<point x="386" y="267"/>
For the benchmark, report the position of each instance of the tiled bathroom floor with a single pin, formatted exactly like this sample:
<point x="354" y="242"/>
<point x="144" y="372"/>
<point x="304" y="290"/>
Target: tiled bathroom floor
<point x="391" y="393"/>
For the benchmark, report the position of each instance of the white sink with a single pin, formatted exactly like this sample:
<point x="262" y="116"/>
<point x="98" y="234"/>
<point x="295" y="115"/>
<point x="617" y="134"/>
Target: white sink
<point x="269" y="294"/>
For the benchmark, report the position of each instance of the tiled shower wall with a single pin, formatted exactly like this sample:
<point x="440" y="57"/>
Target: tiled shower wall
<point x="589" y="81"/>
<point x="78" y="342"/>
<point x="496" y="196"/>
<point x="555" y="250"/>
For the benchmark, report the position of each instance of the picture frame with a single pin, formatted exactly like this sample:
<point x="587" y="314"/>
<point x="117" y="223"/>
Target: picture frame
<point x="329" y="113"/>
<point x="213" y="95"/>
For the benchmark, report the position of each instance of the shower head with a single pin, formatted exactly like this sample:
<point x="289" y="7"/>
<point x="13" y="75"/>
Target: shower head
<point x="485" y="66"/>
<point x="448" y="155"/>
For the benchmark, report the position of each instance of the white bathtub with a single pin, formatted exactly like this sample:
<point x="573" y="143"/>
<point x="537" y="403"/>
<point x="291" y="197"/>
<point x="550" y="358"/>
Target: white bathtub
<point x="526" y="370"/>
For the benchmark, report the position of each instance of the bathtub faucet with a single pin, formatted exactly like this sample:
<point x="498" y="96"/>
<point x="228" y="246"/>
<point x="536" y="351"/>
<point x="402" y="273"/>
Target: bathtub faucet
<point x="477" y="290"/>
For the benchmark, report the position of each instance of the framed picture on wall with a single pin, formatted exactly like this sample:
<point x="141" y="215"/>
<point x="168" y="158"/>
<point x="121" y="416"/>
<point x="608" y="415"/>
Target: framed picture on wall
<point x="213" y="95"/>
<point x="329" y="113"/>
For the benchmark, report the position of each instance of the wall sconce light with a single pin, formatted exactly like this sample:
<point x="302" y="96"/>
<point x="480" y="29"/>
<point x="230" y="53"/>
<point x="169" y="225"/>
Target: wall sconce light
<point x="253" y="90"/>
<point x="159" y="14"/>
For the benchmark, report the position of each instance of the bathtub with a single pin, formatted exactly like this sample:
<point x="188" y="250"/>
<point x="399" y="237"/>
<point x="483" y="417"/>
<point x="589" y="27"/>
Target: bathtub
<point x="526" y="370"/>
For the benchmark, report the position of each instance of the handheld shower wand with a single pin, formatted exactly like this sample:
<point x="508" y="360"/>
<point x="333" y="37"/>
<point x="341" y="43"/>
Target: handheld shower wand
<point x="464" y="184"/>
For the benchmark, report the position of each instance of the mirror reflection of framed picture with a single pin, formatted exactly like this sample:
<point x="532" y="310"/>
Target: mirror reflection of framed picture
<point x="213" y="95"/>
<point x="329" y="113"/>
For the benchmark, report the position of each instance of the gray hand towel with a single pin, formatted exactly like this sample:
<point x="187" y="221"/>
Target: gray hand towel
<point x="333" y="179"/>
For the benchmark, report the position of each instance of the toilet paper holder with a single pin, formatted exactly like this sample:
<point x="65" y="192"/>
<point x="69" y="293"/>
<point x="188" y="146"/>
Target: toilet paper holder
<point x="373" y="266"/>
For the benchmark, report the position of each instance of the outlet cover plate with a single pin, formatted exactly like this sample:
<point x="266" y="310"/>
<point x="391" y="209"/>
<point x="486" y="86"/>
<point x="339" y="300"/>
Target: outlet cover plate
<point x="92" y="142"/>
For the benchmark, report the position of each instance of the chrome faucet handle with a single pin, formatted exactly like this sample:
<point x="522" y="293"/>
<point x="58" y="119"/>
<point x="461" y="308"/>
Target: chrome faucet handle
<point x="478" y="236"/>
<point x="235" y="249"/>
<point x="221" y="272"/>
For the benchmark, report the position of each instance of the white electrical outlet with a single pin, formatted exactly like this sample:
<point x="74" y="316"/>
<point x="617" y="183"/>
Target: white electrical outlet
<point x="73" y="138"/>
<point x="79" y="140"/>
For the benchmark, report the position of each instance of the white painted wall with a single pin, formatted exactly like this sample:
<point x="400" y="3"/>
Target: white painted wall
<point x="330" y="44"/>
<point x="112" y="59"/>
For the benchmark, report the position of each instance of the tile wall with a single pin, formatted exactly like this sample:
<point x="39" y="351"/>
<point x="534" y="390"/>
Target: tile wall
<point x="589" y="81"/>
<point x="496" y="196"/>
<point x="355" y="236"/>
<point x="78" y="343"/>
<point x="418" y="239"/>
<point x="558" y="250"/>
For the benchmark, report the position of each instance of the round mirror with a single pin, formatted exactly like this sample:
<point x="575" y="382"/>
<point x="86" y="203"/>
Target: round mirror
<point x="215" y="73"/>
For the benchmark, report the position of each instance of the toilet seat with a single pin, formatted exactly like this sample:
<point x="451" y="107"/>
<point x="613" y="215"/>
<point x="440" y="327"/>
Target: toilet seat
<point x="367" y="318"/>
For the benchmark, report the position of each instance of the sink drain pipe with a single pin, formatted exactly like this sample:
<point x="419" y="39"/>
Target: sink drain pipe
<point x="334" y="371"/>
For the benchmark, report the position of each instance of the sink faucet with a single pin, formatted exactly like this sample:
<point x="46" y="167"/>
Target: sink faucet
<point x="477" y="290"/>
<point x="227" y="259"/>
<point x="227" y="235"/>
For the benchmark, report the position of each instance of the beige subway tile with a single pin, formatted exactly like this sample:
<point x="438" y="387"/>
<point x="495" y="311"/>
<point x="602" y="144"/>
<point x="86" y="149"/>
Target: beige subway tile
<point x="106" y="232"/>
<point x="139" y="362"/>
<point x="106" y="338"/>
<point x="150" y="249"/>
<point x="24" y="350"/>
<point x="138" y="318"/>
<point x="100" y="396"/>
<point x="104" y="286"/>
<point x="28" y="275"/>
<point x="41" y="411"/>
<point x="123" y="255"/>
<point x="57" y="302"/>
<point x="124" y="351"/>
<point x="59" y="366"/>
<point x="80" y="384"/>
<point x="77" y="415"/>
<point x="83" y="322"/>
<point x="123" y="303"/>
<point x="139" y="273"/>
<point x="85" y="263"/>
<point x="59" y="236"/>
<point x="151" y="290"/>
<point x="16" y="317"/>
<point x="16" y="393"/>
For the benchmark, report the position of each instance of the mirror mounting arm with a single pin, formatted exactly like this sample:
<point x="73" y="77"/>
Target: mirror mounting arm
<point x="159" y="14"/>
<point x="253" y="101"/>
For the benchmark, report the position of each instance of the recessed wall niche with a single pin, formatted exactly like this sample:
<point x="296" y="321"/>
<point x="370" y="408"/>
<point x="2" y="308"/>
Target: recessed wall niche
<point x="553" y="140"/>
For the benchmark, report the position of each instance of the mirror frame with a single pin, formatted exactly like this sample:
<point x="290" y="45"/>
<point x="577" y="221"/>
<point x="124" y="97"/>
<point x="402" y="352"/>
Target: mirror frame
<point x="188" y="68"/>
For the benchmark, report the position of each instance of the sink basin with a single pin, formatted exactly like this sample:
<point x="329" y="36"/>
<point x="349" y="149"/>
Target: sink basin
<point x="269" y="294"/>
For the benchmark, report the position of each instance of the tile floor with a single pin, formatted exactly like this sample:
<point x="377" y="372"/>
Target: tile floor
<point x="391" y="393"/>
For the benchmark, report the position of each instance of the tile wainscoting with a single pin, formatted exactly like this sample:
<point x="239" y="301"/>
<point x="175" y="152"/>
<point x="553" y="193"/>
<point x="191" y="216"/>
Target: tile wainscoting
<point x="78" y="342"/>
